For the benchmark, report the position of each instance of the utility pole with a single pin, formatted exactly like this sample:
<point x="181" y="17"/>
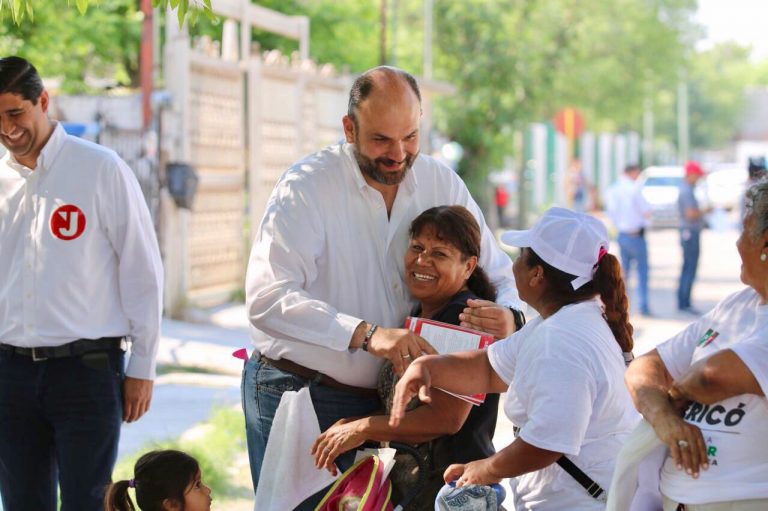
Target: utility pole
<point x="383" y="33"/>
<point x="428" y="23"/>
<point x="682" y="118"/>
<point x="145" y="63"/>
<point x="648" y="131"/>
<point x="426" y="119"/>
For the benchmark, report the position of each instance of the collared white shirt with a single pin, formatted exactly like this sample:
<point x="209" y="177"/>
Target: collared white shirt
<point x="626" y="206"/>
<point x="78" y="252"/>
<point x="327" y="257"/>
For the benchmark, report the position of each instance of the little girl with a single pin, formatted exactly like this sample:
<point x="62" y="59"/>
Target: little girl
<point x="164" y="481"/>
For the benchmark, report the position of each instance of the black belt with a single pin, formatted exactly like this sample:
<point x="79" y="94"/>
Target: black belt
<point x="316" y="376"/>
<point x="71" y="349"/>
<point x="640" y="233"/>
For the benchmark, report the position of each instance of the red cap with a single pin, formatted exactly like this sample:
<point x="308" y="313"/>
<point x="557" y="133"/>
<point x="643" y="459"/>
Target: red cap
<point x="692" y="168"/>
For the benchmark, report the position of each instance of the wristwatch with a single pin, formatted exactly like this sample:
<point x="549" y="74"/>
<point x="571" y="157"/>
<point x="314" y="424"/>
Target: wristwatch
<point x="368" y="335"/>
<point x="519" y="318"/>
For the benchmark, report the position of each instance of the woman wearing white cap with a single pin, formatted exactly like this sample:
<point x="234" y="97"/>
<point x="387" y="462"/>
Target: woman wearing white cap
<point x="563" y="371"/>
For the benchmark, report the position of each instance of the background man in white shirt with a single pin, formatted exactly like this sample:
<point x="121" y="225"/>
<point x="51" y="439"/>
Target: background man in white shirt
<point x="327" y="264"/>
<point x="80" y="271"/>
<point x="629" y="212"/>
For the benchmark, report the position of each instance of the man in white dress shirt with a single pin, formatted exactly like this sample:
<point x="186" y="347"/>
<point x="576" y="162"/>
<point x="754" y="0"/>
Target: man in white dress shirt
<point x="629" y="212"/>
<point x="80" y="274"/>
<point x="325" y="283"/>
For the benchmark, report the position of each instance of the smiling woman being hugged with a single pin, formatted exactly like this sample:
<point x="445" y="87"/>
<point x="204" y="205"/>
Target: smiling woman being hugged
<point x="441" y="273"/>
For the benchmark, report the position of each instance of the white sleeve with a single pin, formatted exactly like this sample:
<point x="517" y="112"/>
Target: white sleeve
<point x="502" y="356"/>
<point x="642" y="204"/>
<point x="140" y="269"/>
<point x="677" y="352"/>
<point x="754" y="353"/>
<point x="283" y="261"/>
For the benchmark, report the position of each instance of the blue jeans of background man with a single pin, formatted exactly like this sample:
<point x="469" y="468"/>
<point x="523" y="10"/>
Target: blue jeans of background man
<point x="59" y="422"/>
<point x="634" y="248"/>
<point x="262" y="388"/>
<point x="690" y="241"/>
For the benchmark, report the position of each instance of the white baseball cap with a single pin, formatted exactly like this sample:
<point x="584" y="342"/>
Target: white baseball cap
<point x="571" y="242"/>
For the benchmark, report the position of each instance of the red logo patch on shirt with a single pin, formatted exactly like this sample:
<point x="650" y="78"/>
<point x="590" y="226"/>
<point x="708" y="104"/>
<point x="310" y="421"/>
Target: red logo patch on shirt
<point x="67" y="222"/>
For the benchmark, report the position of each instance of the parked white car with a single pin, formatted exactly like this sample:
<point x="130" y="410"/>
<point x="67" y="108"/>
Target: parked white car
<point x="726" y="184"/>
<point x="661" y="187"/>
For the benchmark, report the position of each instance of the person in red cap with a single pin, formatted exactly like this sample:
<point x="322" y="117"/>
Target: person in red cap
<point x="691" y="224"/>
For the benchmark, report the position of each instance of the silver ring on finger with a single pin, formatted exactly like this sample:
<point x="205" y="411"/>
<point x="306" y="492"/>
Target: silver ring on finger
<point x="406" y="356"/>
<point x="683" y="444"/>
<point x="327" y="451"/>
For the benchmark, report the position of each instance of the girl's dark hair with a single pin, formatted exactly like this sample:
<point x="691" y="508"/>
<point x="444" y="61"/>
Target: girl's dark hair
<point x="457" y="226"/>
<point x="607" y="283"/>
<point x="18" y="76"/>
<point x="158" y="475"/>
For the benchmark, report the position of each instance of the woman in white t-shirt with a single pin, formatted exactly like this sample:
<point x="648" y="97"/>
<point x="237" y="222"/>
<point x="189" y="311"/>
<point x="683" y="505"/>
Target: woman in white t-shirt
<point x="563" y="370"/>
<point x="703" y="391"/>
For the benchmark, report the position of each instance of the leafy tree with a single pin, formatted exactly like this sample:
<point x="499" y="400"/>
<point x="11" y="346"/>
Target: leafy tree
<point x="19" y="9"/>
<point x="716" y="81"/>
<point x="62" y="43"/>
<point x="521" y="61"/>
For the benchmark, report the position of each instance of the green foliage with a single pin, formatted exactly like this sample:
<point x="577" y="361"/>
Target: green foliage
<point x="716" y="94"/>
<point x="522" y="61"/>
<point x="64" y="44"/>
<point x="342" y="32"/>
<point x="18" y="9"/>
<point x="716" y="79"/>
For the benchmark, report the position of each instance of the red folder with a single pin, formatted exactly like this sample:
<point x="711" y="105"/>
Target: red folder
<point x="447" y="338"/>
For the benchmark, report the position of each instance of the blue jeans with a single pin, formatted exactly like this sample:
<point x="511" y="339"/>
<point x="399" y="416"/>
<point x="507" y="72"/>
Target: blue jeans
<point x="634" y="248"/>
<point x="59" y="422"/>
<point x="263" y="386"/>
<point x="690" y="241"/>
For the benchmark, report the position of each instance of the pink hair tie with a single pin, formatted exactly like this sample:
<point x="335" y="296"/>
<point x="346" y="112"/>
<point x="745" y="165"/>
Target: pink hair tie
<point x="602" y="253"/>
<point x="131" y="483"/>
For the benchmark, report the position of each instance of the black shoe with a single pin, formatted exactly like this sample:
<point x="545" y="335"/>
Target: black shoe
<point x="646" y="314"/>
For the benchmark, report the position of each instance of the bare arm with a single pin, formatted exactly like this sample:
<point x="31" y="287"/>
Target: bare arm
<point x="649" y="383"/>
<point x="444" y="416"/>
<point x="715" y="378"/>
<point x="487" y="316"/>
<point x="467" y="372"/>
<point x="516" y="459"/>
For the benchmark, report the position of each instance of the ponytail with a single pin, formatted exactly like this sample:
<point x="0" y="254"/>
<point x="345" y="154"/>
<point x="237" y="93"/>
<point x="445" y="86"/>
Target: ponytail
<point x="610" y="285"/>
<point x="481" y="285"/>
<point x="117" y="498"/>
<point x="606" y="282"/>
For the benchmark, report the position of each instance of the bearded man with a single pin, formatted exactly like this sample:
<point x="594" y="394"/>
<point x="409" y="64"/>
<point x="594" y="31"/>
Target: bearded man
<point x="325" y="284"/>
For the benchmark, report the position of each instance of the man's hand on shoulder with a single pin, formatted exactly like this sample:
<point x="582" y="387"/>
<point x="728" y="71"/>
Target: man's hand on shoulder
<point x="137" y="396"/>
<point x="490" y="317"/>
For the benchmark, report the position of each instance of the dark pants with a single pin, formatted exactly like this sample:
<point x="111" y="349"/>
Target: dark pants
<point x="59" y="422"/>
<point x="690" y="242"/>
<point x="634" y="248"/>
<point x="262" y="388"/>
